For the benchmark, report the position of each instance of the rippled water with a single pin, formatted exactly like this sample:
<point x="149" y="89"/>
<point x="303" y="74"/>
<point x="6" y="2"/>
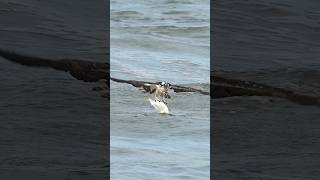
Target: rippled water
<point x="160" y="40"/>
<point x="163" y="40"/>
<point x="52" y="126"/>
<point x="272" y="42"/>
<point x="276" y="43"/>
<point x="266" y="36"/>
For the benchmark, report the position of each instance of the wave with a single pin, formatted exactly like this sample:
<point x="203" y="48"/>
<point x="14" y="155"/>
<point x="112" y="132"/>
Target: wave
<point x="252" y="35"/>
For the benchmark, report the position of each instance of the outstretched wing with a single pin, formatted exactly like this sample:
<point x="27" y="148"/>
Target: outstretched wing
<point x="148" y="86"/>
<point x="94" y="71"/>
<point x="85" y="70"/>
<point x="82" y="70"/>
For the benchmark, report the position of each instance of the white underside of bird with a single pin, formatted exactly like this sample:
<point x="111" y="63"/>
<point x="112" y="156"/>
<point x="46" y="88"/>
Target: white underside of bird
<point x="160" y="92"/>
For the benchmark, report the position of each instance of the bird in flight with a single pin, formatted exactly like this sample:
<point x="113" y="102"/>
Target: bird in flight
<point x="161" y="93"/>
<point x="220" y="87"/>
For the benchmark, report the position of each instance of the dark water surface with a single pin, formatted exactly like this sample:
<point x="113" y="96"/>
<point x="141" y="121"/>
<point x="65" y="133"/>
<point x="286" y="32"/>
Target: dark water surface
<point x="277" y="43"/>
<point x="52" y="126"/>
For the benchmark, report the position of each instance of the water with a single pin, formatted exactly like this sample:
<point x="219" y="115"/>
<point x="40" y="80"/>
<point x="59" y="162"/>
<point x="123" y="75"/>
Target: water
<point x="162" y="40"/>
<point x="276" y="43"/>
<point x="271" y="42"/>
<point x="52" y="126"/>
<point x="266" y="35"/>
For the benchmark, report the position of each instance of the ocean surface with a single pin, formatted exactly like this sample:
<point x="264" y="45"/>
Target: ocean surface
<point x="160" y="40"/>
<point x="51" y="125"/>
<point x="275" y="42"/>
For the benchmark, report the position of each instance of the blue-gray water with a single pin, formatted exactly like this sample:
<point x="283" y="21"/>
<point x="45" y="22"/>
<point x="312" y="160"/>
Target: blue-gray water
<point x="162" y="40"/>
<point x="275" y="42"/>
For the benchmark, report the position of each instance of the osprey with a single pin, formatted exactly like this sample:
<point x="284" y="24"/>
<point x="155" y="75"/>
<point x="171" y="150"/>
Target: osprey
<point x="161" y="93"/>
<point x="220" y="87"/>
<point x="160" y="90"/>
